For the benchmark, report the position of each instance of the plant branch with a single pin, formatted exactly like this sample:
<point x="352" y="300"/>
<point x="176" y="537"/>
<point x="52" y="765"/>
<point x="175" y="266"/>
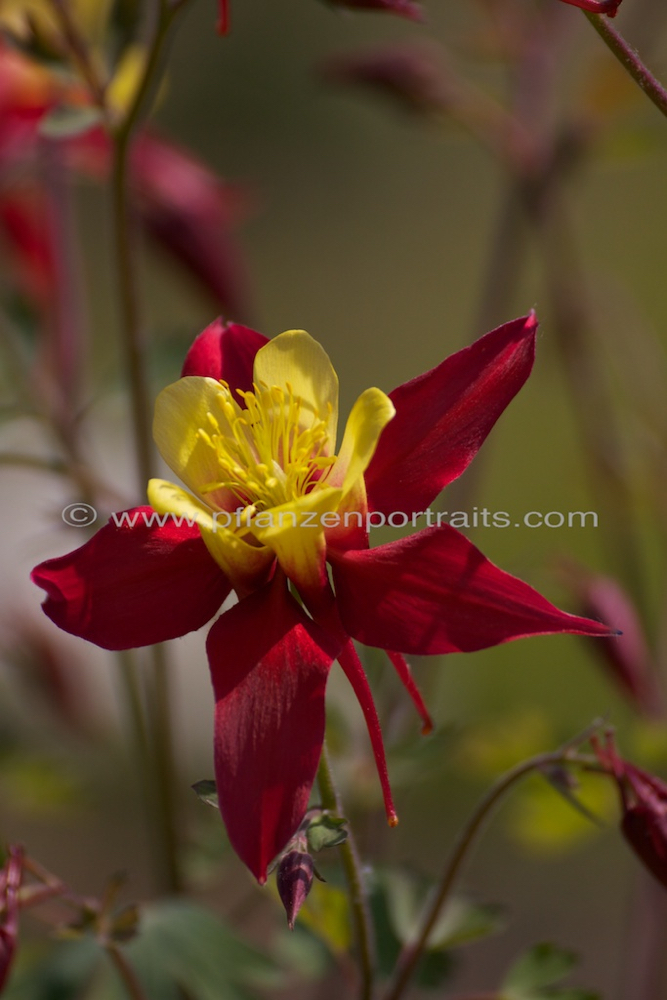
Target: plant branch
<point x="630" y="61"/>
<point x="355" y="880"/>
<point x="80" y="52"/>
<point x="158" y="701"/>
<point x="133" y="987"/>
<point x="413" y="951"/>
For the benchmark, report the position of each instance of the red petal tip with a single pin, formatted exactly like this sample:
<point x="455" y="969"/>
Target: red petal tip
<point x="392" y="819"/>
<point x="427" y="728"/>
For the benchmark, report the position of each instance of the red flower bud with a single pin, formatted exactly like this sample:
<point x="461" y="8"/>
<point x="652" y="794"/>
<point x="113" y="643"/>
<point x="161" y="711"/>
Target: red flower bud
<point x="644" y="804"/>
<point x="409" y="74"/>
<point x="626" y="658"/>
<point x="294" y="880"/>
<point x="10" y="883"/>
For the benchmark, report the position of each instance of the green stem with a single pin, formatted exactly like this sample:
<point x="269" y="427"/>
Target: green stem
<point x="355" y="880"/>
<point x="158" y="702"/>
<point x="413" y="951"/>
<point x="630" y="61"/>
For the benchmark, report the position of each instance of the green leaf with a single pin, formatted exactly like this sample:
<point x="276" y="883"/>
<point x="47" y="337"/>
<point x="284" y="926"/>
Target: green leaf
<point x="460" y="923"/>
<point x="67" y="122"/>
<point x="463" y="922"/>
<point x="63" y="974"/>
<point x="542" y="966"/>
<point x="207" y="791"/>
<point x="182" y="947"/>
<point x="391" y="902"/>
<point x="326" y="831"/>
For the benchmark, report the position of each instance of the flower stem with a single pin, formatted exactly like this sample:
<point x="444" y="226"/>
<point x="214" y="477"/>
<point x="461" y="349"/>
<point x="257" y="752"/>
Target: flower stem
<point x="413" y="951"/>
<point x="630" y="61"/>
<point x="133" y="987"/>
<point x="165" y="768"/>
<point x="158" y="699"/>
<point x="355" y="881"/>
<point x="81" y="54"/>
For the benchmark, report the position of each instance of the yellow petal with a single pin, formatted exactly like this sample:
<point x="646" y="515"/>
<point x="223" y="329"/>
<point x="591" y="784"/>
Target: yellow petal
<point x="295" y="532"/>
<point x="181" y="410"/>
<point x="167" y="498"/>
<point x="296" y="359"/>
<point x="245" y="565"/>
<point x="369" y="416"/>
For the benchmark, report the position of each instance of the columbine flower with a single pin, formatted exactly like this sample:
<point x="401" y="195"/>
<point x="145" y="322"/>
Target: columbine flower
<point x="251" y="431"/>
<point x="644" y="807"/>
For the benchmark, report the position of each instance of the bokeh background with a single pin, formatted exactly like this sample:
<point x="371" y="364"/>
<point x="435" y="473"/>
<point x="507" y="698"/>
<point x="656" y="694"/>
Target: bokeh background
<point x="374" y="228"/>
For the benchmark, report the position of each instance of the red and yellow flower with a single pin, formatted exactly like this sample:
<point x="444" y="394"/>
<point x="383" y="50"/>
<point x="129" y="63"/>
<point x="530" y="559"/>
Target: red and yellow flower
<point x="272" y="508"/>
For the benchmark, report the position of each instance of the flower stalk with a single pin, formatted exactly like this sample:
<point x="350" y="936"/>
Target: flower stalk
<point x="630" y="61"/>
<point x="353" y="873"/>
<point x="159" y="697"/>
<point x="467" y="839"/>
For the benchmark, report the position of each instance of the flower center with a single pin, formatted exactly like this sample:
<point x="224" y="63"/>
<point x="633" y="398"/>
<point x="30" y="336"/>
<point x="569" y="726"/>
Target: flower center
<point x="271" y="452"/>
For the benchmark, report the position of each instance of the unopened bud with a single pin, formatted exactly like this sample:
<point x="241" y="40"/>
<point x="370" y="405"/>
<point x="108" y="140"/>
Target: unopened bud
<point x="625" y="658"/>
<point x="294" y="880"/>
<point x="644" y="804"/>
<point x="410" y="74"/>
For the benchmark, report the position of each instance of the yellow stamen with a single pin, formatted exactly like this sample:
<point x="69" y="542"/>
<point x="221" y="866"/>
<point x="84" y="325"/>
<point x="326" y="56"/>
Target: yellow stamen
<point x="276" y="451"/>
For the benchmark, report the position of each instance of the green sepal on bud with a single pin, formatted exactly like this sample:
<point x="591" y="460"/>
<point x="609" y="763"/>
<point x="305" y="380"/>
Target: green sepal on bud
<point x="325" y="831"/>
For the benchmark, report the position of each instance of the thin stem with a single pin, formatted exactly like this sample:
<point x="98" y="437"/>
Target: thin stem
<point x="158" y="700"/>
<point x="590" y="394"/>
<point x="131" y="333"/>
<point x="413" y="951"/>
<point x="630" y="61"/>
<point x="355" y="880"/>
<point x="131" y="983"/>
<point x="80" y="52"/>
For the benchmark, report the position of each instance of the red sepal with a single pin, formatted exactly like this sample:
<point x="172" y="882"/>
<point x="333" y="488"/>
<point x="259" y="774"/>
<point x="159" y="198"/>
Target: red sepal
<point x="356" y="675"/>
<point x="133" y="585"/>
<point x="269" y="665"/>
<point x="436" y="593"/>
<point x="225" y="351"/>
<point x="443" y="417"/>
